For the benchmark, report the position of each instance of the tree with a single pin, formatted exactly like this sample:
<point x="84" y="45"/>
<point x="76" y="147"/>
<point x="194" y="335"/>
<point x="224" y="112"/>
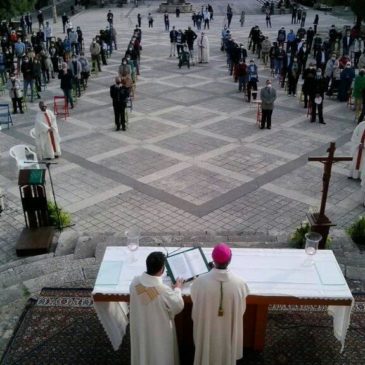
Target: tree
<point x="357" y="6"/>
<point x="11" y="8"/>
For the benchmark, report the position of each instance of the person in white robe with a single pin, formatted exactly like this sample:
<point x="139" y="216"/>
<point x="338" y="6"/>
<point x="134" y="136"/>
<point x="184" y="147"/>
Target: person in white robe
<point x="357" y="151"/>
<point x="219" y="302"/>
<point x="203" y="48"/>
<point x="46" y="133"/>
<point x="153" y="307"/>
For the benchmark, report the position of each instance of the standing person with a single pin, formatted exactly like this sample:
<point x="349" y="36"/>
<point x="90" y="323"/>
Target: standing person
<point x="40" y="18"/>
<point x="47" y="138"/>
<point x="315" y="23"/>
<point x="64" y="22"/>
<point x="27" y="71"/>
<point x="19" y="51"/>
<point x="358" y="90"/>
<point x="180" y="40"/>
<point x="28" y="22"/>
<point x="268" y="96"/>
<point x="37" y="74"/>
<point x="190" y="37"/>
<point x="65" y="75"/>
<point x="294" y="14"/>
<point x="95" y="51"/>
<point x="317" y="96"/>
<point x="309" y="75"/>
<point x="48" y="34"/>
<point x="76" y="68"/>
<point x="210" y="9"/>
<point x="139" y="19"/>
<point x="358" y="48"/>
<point x="15" y="93"/>
<point x="177" y="12"/>
<point x="357" y="152"/>
<point x="241" y="74"/>
<point x="166" y="21"/>
<point x="85" y="69"/>
<point x="304" y="16"/>
<point x="219" y="303"/>
<point x="206" y="17"/>
<point x="229" y="15"/>
<point x="293" y="76"/>
<point x="347" y="41"/>
<point x="253" y="79"/>
<point x="150" y="20"/>
<point x="203" y="45"/>
<point x="119" y="93"/>
<point x="110" y="17"/>
<point x="265" y="49"/>
<point x="346" y="78"/>
<point x="153" y="306"/>
<point x="268" y="18"/>
<point x="242" y="18"/>
<point x="173" y="39"/>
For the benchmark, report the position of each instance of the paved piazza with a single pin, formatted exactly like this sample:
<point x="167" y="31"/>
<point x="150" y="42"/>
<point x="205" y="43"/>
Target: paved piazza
<point x="193" y="158"/>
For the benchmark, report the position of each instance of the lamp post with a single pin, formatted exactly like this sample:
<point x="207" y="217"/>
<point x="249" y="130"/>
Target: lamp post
<point x="54" y="11"/>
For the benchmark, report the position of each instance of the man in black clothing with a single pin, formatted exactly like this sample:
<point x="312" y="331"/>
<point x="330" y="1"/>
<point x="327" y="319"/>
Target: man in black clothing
<point x="64" y="21"/>
<point x="40" y="19"/>
<point x="317" y="96"/>
<point x="190" y="37"/>
<point x="309" y="75"/>
<point x="110" y="17"/>
<point x="119" y="93"/>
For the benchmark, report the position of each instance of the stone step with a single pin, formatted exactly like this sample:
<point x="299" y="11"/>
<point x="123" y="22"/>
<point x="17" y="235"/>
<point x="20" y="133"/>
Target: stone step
<point x="24" y="261"/>
<point x="39" y="268"/>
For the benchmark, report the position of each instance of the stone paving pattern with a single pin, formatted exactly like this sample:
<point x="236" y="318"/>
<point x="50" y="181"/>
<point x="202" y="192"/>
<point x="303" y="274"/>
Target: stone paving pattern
<point x="192" y="160"/>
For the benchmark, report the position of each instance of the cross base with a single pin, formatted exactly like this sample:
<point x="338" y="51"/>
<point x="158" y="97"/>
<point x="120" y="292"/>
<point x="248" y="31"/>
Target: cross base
<point x="320" y="224"/>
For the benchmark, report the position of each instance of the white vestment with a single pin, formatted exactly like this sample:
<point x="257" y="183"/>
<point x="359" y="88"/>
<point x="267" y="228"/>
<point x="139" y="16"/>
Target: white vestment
<point x="47" y="147"/>
<point x="218" y="339"/>
<point x="153" y="306"/>
<point x="357" y="136"/>
<point x="203" y="49"/>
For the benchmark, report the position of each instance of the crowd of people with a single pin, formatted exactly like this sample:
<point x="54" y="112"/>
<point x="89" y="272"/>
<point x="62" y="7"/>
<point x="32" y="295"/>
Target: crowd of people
<point x="325" y="63"/>
<point x="29" y="59"/>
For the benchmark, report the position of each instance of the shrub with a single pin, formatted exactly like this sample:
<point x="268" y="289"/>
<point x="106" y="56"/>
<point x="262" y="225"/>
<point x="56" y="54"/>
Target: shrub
<point x="357" y="231"/>
<point x="297" y="239"/>
<point x="64" y="217"/>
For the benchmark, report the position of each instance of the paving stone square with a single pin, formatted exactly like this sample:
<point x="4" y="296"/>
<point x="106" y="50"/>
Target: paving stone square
<point x="191" y="143"/>
<point x="247" y="161"/>
<point x="233" y="127"/>
<point x="138" y="163"/>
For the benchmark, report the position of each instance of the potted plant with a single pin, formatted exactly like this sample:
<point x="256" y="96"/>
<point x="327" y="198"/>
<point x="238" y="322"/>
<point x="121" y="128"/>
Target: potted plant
<point x="357" y="231"/>
<point x="297" y="239"/>
<point x="60" y="220"/>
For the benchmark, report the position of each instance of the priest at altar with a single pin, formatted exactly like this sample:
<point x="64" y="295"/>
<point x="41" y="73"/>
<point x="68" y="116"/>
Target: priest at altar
<point x="153" y="307"/>
<point x="219" y="302"/>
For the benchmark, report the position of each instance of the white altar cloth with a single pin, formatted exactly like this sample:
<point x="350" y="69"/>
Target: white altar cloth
<point x="268" y="272"/>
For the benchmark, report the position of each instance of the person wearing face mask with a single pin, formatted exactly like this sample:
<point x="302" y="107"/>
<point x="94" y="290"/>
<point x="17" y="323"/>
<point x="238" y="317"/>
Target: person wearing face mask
<point x="293" y="76"/>
<point x="268" y="97"/>
<point x="47" y="138"/>
<point x="37" y="75"/>
<point x="65" y="75"/>
<point x="253" y="79"/>
<point x="85" y="70"/>
<point x="119" y="93"/>
<point x="241" y="74"/>
<point x="309" y="75"/>
<point x="124" y="67"/>
<point x="27" y="71"/>
<point x="347" y="76"/>
<point x="317" y="96"/>
<point x="95" y="55"/>
<point x="15" y="93"/>
<point x="76" y="68"/>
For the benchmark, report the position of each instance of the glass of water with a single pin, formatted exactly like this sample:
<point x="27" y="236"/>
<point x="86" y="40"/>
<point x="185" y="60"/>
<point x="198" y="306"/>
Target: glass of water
<point x="133" y="235"/>
<point x="312" y="240"/>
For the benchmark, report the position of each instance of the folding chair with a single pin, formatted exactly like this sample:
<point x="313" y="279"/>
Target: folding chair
<point x="60" y="106"/>
<point x="5" y="116"/>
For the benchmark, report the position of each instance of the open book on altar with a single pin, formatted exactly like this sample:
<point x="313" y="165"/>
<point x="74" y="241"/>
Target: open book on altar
<point x="187" y="264"/>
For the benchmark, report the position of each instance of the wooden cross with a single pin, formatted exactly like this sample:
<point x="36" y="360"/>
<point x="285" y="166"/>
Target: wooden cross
<point x="328" y="162"/>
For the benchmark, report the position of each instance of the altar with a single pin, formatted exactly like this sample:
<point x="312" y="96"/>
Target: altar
<point x="273" y="276"/>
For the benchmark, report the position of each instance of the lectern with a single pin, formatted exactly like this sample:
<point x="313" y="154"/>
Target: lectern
<point x="36" y="237"/>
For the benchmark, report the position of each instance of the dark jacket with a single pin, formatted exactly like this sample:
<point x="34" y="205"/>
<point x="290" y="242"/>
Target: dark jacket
<point x="119" y="95"/>
<point x="66" y="79"/>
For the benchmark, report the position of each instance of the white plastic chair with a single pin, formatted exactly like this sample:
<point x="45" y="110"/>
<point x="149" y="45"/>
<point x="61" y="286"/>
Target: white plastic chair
<point x="32" y="133"/>
<point x="24" y="157"/>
